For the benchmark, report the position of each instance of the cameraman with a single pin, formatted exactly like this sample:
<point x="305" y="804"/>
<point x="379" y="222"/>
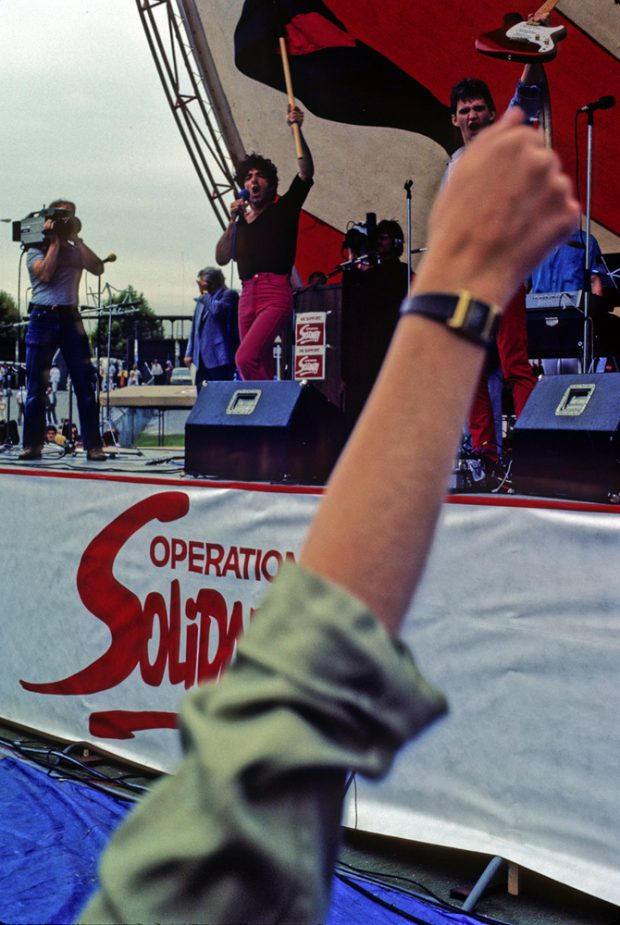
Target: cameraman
<point x="55" y="270"/>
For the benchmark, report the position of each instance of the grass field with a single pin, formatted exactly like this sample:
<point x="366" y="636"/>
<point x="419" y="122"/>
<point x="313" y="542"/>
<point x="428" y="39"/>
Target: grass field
<point x="170" y="441"/>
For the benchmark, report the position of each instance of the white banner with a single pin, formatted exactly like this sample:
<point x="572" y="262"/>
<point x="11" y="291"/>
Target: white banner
<point x="119" y="594"/>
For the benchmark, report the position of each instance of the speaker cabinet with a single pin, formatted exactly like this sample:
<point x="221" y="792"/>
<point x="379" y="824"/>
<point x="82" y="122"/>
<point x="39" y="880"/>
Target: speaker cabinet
<point x="566" y="442"/>
<point x="263" y="432"/>
<point x="555" y="333"/>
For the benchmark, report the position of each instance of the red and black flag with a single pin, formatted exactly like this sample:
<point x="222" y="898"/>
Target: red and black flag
<point x="334" y="75"/>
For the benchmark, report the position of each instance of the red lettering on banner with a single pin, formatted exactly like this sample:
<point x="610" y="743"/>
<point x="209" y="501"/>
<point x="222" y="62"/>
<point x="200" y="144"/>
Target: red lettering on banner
<point x="232" y="562"/>
<point x="178" y="552"/>
<point x="156" y="636"/>
<point x="215" y="554"/>
<point x="121" y="724"/>
<point x="110" y="601"/>
<point x="189" y="642"/>
<point x="196" y="557"/>
<point x="215" y="653"/>
<point x="247" y="555"/>
<point x="155" y="615"/>
<point x="272" y="554"/>
<point x="242" y="562"/>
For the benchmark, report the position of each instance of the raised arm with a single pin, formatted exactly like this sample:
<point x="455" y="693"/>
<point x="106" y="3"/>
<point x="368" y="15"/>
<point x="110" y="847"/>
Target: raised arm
<point x="532" y="74"/>
<point x="223" y="302"/>
<point x="295" y="116"/>
<point x="316" y="688"/>
<point x="90" y="261"/>
<point x="488" y="228"/>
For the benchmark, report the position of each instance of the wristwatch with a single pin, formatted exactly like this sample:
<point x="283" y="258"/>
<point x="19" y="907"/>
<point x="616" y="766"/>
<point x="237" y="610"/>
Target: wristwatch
<point x="465" y="315"/>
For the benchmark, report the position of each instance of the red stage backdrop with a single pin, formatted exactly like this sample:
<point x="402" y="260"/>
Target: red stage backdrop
<point x="375" y="105"/>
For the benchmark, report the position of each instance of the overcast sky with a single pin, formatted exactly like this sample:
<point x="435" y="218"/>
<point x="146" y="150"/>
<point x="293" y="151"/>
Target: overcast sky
<point x="84" y="116"/>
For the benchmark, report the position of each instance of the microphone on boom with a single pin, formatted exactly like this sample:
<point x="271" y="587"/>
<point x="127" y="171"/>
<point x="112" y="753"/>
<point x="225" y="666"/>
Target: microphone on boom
<point x="603" y="102"/>
<point x="109" y="259"/>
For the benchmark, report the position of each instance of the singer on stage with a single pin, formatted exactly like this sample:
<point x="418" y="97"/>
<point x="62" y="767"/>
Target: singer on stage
<point x="262" y="238"/>
<point x="55" y="270"/>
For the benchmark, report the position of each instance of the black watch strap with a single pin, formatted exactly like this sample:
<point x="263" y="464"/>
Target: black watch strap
<point x="469" y="317"/>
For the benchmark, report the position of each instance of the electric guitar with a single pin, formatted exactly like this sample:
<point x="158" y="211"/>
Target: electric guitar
<point x="523" y="40"/>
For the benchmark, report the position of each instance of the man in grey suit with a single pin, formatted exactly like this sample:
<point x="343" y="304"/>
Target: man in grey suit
<point x="214" y="337"/>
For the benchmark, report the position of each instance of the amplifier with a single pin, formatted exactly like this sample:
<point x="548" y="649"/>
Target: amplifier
<point x="535" y="301"/>
<point x="554" y="333"/>
<point x="263" y="431"/>
<point x="566" y="442"/>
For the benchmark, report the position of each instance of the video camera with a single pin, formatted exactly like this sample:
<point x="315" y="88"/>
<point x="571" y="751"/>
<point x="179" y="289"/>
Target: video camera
<point x="361" y="237"/>
<point x="29" y="231"/>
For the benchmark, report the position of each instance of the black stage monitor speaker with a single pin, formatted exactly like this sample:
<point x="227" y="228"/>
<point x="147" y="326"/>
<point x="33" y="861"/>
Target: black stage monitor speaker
<point x="555" y="333"/>
<point x="566" y="442"/>
<point x="263" y="432"/>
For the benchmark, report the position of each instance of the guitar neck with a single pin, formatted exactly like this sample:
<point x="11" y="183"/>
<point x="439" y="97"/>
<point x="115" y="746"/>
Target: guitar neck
<point x="543" y="11"/>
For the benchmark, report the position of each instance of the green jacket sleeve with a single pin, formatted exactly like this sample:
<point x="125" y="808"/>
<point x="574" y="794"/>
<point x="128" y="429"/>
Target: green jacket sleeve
<point x="246" y="831"/>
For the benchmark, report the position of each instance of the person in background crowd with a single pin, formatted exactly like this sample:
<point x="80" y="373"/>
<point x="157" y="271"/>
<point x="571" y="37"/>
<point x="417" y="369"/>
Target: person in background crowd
<point x="55" y="377"/>
<point x="121" y="376"/>
<point x="135" y="376"/>
<point x="50" y="406"/>
<point x="157" y="372"/>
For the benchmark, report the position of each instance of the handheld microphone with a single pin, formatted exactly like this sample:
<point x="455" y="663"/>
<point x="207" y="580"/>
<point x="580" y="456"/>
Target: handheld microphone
<point x="604" y="102"/>
<point x="245" y="195"/>
<point x="109" y="259"/>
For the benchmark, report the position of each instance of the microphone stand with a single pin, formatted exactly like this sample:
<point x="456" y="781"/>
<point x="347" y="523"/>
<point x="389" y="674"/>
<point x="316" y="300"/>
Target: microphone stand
<point x="408" y="185"/>
<point x="116" y="311"/>
<point x="588" y="329"/>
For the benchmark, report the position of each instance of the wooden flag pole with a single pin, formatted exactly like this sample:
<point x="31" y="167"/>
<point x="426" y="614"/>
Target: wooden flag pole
<point x="289" y="92"/>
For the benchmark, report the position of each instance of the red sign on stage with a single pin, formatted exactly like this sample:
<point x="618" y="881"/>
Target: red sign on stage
<point x="310" y="366"/>
<point x="310" y="344"/>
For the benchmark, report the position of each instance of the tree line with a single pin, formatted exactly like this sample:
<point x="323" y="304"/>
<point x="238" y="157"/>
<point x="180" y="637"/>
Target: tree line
<point x="140" y="322"/>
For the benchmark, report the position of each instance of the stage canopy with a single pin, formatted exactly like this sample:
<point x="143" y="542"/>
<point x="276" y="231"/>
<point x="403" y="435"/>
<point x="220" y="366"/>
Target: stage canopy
<point x="376" y="105"/>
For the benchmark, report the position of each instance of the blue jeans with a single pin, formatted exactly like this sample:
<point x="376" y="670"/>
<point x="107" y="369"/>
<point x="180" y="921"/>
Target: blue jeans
<point x="48" y="330"/>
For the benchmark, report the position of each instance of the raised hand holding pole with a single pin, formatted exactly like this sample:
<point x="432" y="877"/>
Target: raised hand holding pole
<point x="288" y="82"/>
<point x="289" y="92"/>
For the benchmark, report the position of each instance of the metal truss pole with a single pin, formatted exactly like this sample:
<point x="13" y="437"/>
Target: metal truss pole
<point x="190" y="100"/>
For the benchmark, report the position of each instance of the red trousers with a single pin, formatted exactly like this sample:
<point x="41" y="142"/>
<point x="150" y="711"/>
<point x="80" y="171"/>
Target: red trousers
<point x="513" y="356"/>
<point x="265" y="305"/>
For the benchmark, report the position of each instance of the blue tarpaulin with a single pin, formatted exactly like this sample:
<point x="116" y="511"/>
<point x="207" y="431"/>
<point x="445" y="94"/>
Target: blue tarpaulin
<point x="53" y="831"/>
<point x="51" y="835"/>
<point x="357" y="900"/>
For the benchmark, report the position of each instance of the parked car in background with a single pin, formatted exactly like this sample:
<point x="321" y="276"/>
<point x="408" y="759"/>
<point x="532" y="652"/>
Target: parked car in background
<point x="181" y="375"/>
